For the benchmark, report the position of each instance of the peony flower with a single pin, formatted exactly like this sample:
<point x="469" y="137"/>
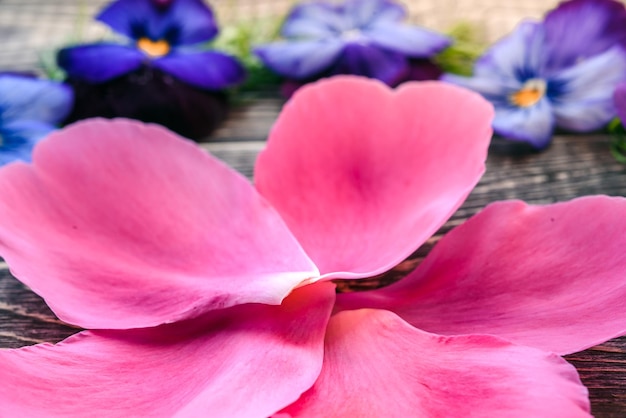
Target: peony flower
<point x="29" y="110"/>
<point x="161" y="73"/>
<point x="361" y="37"/>
<point x="163" y="35"/>
<point x="208" y="296"/>
<point x="557" y="73"/>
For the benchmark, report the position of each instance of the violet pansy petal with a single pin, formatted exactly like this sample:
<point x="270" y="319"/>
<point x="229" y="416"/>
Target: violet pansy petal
<point x="300" y="59"/>
<point x="97" y="63"/>
<point x="517" y="56"/>
<point x="586" y="100"/>
<point x="619" y="97"/>
<point x="129" y="17"/>
<point x="19" y="139"/>
<point x="363" y="13"/>
<point x="209" y="70"/>
<point x="193" y="19"/>
<point x="364" y="174"/>
<point x="493" y="89"/>
<point x="32" y="129"/>
<point x="25" y="98"/>
<point x="412" y="41"/>
<point x="246" y="361"/>
<point x="549" y="277"/>
<point x="15" y="148"/>
<point x="180" y="22"/>
<point x="131" y="226"/>
<point x="376" y="365"/>
<point x="533" y="124"/>
<point x="579" y="29"/>
<point x="372" y="62"/>
<point x="313" y="21"/>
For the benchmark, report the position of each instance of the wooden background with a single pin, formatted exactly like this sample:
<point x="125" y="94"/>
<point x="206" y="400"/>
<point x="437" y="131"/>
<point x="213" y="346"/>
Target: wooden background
<point x="573" y="166"/>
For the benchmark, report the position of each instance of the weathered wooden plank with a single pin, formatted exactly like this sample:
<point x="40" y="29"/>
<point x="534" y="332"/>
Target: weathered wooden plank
<point x="249" y="120"/>
<point x="24" y="317"/>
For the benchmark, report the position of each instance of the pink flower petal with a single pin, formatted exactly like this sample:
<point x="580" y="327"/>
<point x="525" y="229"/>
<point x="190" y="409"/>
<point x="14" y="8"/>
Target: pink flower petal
<point x="376" y="365"/>
<point x="121" y="225"/>
<point x="246" y="361"/>
<point x="363" y="174"/>
<point x="550" y="277"/>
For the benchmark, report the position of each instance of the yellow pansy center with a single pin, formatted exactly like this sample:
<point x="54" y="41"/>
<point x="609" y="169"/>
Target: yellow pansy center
<point x="531" y="92"/>
<point x="154" y="48"/>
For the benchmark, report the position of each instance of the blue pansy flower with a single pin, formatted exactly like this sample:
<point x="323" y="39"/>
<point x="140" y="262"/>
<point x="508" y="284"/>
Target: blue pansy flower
<point x="29" y="110"/>
<point x="361" y="37"/>
<point x="558" y="73"/>
<point x="163" y="34"/>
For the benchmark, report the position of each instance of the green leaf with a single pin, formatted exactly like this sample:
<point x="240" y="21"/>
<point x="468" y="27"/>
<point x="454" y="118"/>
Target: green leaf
<point x="459" y="58"/>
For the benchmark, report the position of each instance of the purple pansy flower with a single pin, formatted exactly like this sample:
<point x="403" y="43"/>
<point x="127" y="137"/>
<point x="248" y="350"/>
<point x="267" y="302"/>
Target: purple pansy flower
<point x="558" y="73"/>
<point x="29" y="110"/>
<point x="361" y="37"/>
<point x="619" y="96"/>
<point x="163" y="35"/>
<point x="160" y="75"/>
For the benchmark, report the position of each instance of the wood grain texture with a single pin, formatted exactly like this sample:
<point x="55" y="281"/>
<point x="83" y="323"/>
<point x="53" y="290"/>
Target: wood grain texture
<point x="572" y="167"/>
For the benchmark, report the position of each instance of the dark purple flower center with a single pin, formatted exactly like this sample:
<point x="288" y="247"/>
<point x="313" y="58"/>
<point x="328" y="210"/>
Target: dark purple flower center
<point x="170" y="34"/>
<point x="162" y="4"/>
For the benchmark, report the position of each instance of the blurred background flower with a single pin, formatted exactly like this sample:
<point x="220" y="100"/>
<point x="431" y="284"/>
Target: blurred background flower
<point x="557" y="73"/>
<point x="161" y="73"/>
<point x="616" y="127"/>
<point x="360" y="37"/>
<point x="620" y="101"/>
<point x="29" y="109"/>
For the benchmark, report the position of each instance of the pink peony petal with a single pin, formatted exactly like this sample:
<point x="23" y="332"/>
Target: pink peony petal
<point x="245" y="361"/>
<point x="376" y="365"/>
<point x="550" y="277"/>
<point x="122" y="225"/>
<point x="363" y="174"/>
